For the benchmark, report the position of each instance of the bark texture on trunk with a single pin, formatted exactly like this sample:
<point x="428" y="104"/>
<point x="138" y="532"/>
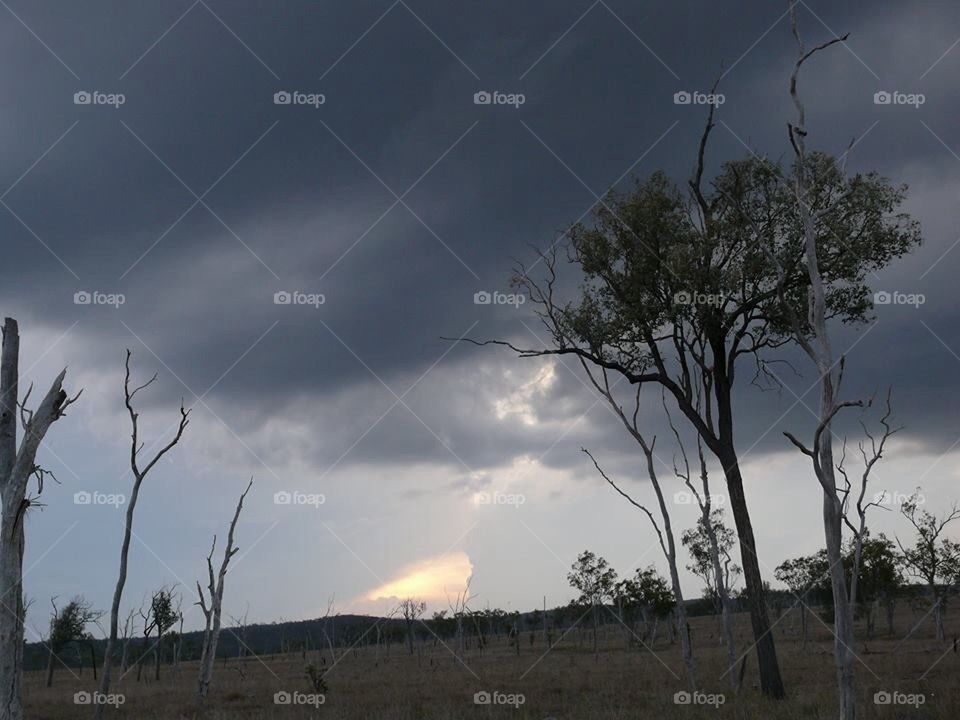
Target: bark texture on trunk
<point x="17" y="467"/>
<point x="139" y="473"/>
<point x="212" y="614"/>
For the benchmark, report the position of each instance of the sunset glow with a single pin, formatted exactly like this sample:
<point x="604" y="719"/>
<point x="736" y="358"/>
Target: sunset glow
<point x="430" y="579"/>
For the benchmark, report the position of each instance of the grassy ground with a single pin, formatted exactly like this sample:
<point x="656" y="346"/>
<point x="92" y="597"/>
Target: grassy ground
<point x="568" y="682"/>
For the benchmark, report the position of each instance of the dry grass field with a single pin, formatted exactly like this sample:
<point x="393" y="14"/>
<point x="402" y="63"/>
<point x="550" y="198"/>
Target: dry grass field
<point x="566" y="683"/>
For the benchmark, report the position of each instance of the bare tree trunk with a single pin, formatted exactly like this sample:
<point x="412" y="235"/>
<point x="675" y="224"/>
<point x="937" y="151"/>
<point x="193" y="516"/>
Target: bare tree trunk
<point x="938" y="614"/>
<point x="138" y="475"/>
<point x="211" y="633"/>
<point x="820" y="351"/>
<point x="156" y="654"/>
<point x="17" y="466"/>
<point x="50" y="666"/>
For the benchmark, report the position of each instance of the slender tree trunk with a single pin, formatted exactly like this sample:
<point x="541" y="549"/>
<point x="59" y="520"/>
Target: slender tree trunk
<point x="803" y="622"/>
<point x="17" y="467"/>
<point x="938" y="615"/>
<point x="843" y="610"/>
<point x="771" y="683"/>
<point x="115" y="606"/>
<point x="726" y="616"/>
<point x="11" y="611"/>
<point x="50" y="666"/>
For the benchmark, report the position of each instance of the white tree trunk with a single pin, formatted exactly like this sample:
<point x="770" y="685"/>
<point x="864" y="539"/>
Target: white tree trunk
<point x="213" y="614"/>
<point x="17" y="466"/>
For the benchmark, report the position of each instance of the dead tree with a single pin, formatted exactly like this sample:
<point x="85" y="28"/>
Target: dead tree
<point x="812" y="335"/>
<point x="139" y="474"/>
<point x="933" y="558"/>
<point x="212" y="612"/>
<point x="411" y="609"/>
<point x="459" y="609"/>
<point x="17" y="467"/>
<point x="241" y="623"/>
<point x="125" y="640"/>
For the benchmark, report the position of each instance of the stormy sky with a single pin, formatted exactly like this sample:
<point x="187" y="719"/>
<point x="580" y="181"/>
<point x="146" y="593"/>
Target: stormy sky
<point x="149" y="157"/>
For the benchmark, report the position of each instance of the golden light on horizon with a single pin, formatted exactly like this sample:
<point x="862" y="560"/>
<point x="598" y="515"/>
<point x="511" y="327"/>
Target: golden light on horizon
<point x="429" y="579"/>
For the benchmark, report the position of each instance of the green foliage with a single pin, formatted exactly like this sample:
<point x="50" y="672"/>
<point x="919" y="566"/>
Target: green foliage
<point x="880" y="574"/>
<point x="69" y="624"/>
<point x="647" y="589"/>
<point x="164" y="614"/>
<point x="932" y="558"/>
<point x="697" y="542"/>
<point x="654" y="259"/>
<point x="593" y="577"/>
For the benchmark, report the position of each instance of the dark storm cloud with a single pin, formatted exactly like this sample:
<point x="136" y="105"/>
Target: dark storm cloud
<point x="297" y="198"/>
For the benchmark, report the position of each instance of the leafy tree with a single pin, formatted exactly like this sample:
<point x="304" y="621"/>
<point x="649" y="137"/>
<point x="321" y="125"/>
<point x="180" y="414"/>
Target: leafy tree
<point x="648" y="593"/>
<point x="679" y="287"/>
<point x="697" y="542"/>
<point x="68" y="625"/>
<point x="593" y="577"/>
<point x="880" y="577"/>
<point x="806" y="577"/>
<point x="932" y="558"/>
